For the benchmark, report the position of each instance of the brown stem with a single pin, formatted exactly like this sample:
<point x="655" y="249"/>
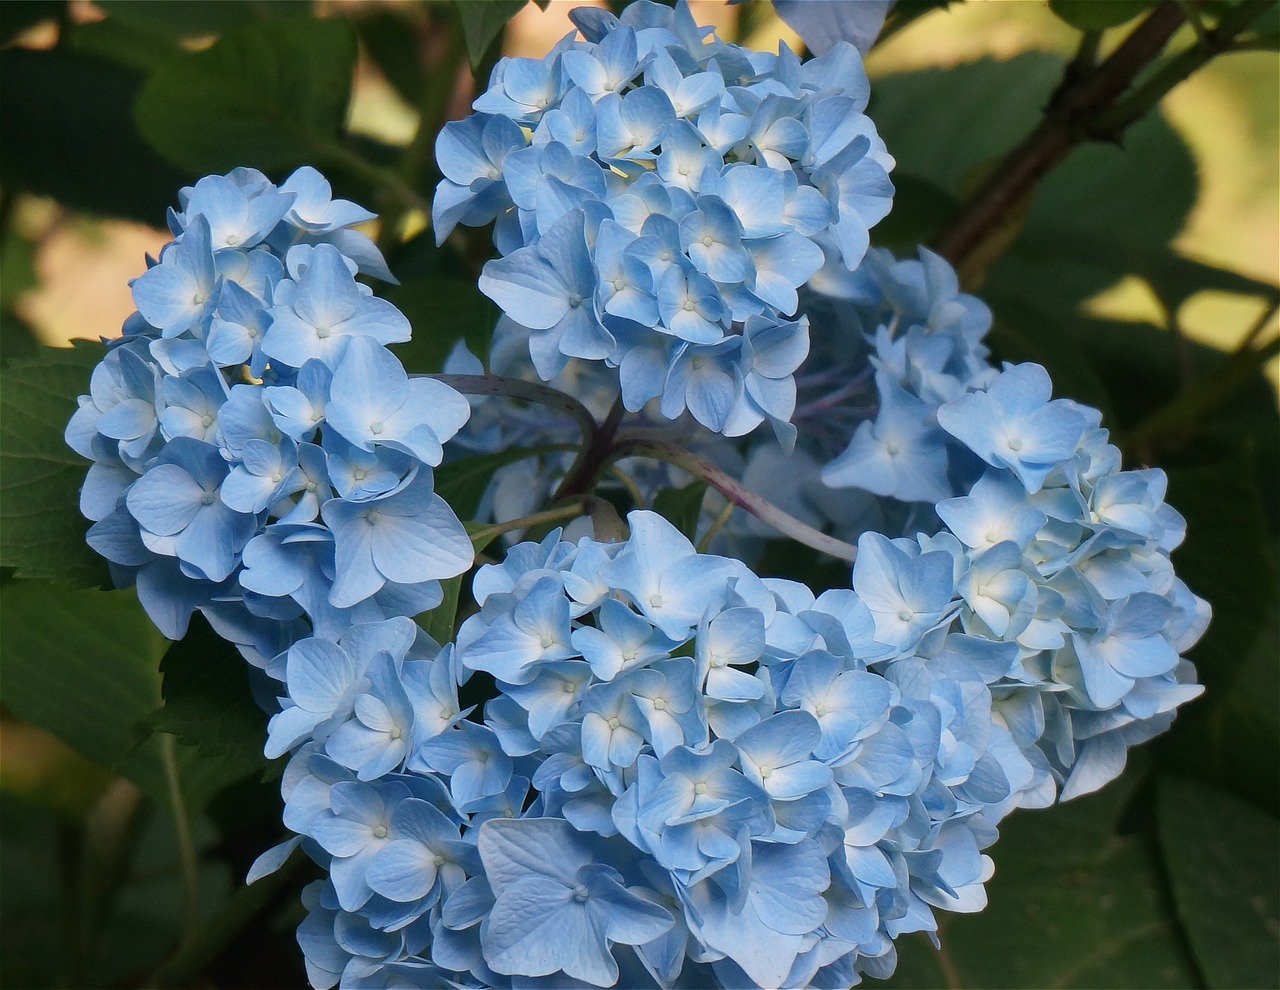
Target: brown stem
<point x="518" y="388"/>
<point x="1067" y="122"/>
<point x="736" y="492"/>
<point x="593" y="456"/>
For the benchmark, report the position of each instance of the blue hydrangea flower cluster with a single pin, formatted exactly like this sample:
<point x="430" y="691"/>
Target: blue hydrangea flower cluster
<point x="659" y="198"/>
<point x="692" y="776"/>
<point x="258" y="452"/>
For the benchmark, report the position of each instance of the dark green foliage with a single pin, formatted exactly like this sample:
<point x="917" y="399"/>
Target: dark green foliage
<point x="272" y="94"/>
<point x="1168" y="878"/>
<point x="1073" y="904"/>
<point x="67" y="131"/>
<point x="41" y="529"/>
<point x="1223" y="858"/>
<point x="482" y="23"/>
<point x="443" y="310"/>
<point x="84" y="665"/>
<point x="1097" y="15"/>
<point x="208" y="705"/>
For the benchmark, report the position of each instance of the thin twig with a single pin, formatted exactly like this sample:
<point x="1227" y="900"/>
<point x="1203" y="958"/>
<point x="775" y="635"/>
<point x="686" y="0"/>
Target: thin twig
<point x="235" y="914"/>
<point x="380" y="178"/>
<point x="1221" y="39"/>
<point x="736" y="493"/>
<point x="518" y="388"/>
<point x="1067" y="121"/>
<point x="1178" y="420"/>
<point x="483" y="537"/>
<point x="1259" y="325"/>
<point x="717" y="524"/>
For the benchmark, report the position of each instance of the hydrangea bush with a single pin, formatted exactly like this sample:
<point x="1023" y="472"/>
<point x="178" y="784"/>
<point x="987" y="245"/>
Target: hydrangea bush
<point x="635" y="761"/>
<point x="685" y="774"/>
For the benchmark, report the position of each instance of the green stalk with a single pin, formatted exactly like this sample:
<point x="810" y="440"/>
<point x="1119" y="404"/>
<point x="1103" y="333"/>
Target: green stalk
<point x="188" y="862"/>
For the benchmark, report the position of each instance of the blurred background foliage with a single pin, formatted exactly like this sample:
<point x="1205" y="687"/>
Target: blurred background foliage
<point x="133" y="795"/>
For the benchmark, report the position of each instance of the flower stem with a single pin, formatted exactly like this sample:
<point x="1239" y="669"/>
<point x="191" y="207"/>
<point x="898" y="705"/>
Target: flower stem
<point x="483" y="537"/>
<point x="717" y="524"/>
<point x="1179" y="419"/>
<point x="592" y="457"/>
<point x="736" y="493"/>
<point x="188" y="863"/>
<point x="518" y="388"/>
<point x="1070" y="118"/>
<point x="237" y="911"/>
<point x="1209" y="44"/>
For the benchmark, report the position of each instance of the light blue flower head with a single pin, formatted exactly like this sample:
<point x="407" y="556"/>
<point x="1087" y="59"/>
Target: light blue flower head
<point x="658" y="191"/>
<point x="252" y="423"/>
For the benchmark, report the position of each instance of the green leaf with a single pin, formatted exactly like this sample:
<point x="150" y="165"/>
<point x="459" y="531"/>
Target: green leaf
<point x="1098" y="15"/>
<point x="17" y="338"/>
<point x="1213" y="737"/>
<point x="134" y="47"/>
<point x="1072" y="904"/>
<point x="84" y="665"/>
<point x="273" y="94"/>
<point x="208" y="706"/>
<point x="1141" y="194"/>
<point x="439" y="622"/>
<point x="442" y="311"/>
<point x="1227" y="558"/>
<point x="59" y="110"/>
<point x="1144" y="190"/>
<point x="1223" y="858"/>
<point x="1172" y="277"/>
<point x="915" y="114"/>
<point x="682" y="506"/>
<point x="41" y="529"/>
<point x="482" y="22"/>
